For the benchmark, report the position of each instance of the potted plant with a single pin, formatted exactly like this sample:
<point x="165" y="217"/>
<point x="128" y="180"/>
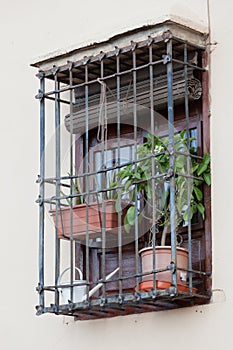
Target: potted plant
<point x="138" y="178"/>
<point x="93" y="215"/>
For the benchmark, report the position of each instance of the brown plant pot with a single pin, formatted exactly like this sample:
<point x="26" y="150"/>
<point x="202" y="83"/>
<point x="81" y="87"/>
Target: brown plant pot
<point x="163" y="259"/>
<point x="95" y="219"/>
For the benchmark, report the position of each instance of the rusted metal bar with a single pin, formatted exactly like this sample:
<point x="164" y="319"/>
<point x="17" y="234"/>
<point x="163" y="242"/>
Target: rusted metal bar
<point x="71" y="187"/>
<point x="41" y="192"/>
<point x="188" y="158"/>
<point x="58" y="175"/>
<point x="134" y="72"/>
<point x="86" y="166"/>
<point x="152" y="117"/>
<point x="118" y="163"/>
<point x="172" y="160"/>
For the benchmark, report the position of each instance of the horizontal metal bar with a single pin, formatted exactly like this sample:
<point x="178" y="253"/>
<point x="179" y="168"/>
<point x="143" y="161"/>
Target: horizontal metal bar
<point x="189" y="65"/>
<point x="90" y="82"/>
<point x="183" y="41"/>
<point x="160" y="296"/>
<point x="102" y="171"/>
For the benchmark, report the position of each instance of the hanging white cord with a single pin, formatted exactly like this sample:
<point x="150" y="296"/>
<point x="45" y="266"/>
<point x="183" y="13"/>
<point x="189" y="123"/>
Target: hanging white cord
<point x="102" y="126"/>
<point x="103" y="119"/>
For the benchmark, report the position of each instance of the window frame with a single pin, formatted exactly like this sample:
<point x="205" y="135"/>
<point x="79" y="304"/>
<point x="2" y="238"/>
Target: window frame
<point x="79" y="69"/>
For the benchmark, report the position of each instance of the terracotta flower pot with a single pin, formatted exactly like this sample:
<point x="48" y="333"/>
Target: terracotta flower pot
<point x="95" y="219"/>
<point x="163" y="259"/>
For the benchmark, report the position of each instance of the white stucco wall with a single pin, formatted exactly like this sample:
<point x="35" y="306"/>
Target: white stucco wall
<point x="28" y="30"/>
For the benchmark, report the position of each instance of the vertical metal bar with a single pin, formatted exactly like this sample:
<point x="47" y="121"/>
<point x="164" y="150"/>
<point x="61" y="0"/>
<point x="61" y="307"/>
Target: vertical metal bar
<point x="135" y="158"/>
<point x="118" y="190"/>
<point x="86" y="177"/>
<point x="71" y="183"/>
<point x="58" y="170"/>
<point x="188" y="167"/>
<point x="41" y="191"/>
<point x="103" y="184"/>
<point x="206" y="78"/>
<point x="151" y="73"/>
<point x="172" y="160"/>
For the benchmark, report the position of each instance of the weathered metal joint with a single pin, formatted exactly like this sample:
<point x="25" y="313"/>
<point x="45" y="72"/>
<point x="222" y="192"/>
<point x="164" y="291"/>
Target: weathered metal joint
<point x="137" y="297"/>
<point x="71" y="305"/>
<point x="172" y="291"/>
<point x="39" y="180"/>
<point x="85" y="60"/>
<point x="172" y="267"/>
<point x="133" y="45"/>
<point x="70" y="65"/>
<point x="54" y="308"/>
<point x="101" y="55"/>
<point x="39" y="288"/>
<point x="54" y="70"/>
<point x="103" y="302"/>
<point x="117" y="51"/>
<point x="39" y="310"/>
<point x="120" y="300"/>
<point x="40" y="75"/>
<point x="39" y="200"/>
<point x="166" y="59"/>
<point x="40" y="95"/>
<point x="169" y="174"/>
<point x="150" y="40"/>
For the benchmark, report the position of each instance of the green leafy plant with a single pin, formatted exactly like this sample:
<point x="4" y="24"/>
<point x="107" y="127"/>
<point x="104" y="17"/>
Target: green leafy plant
<point x="138" y="184"/>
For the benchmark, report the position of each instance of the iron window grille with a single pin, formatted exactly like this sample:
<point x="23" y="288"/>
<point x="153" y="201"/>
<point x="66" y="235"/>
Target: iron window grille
<point x="105" y="106"/>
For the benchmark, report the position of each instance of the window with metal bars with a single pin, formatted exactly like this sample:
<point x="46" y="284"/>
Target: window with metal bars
<point x="124" y="199"/>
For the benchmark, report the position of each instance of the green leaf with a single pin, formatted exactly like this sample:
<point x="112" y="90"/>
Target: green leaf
<point x="126" y="225"/>
<point x="137" y="176"/>
<point x="128" y="184"/>
<point x="201" y="209"/>
<point x="131" y="216"/>
<point x="198" y="193"/>
<point x="207" y="178"/>
<point x="204" y="164"/>
<point x="185" y="215"/>
<point x="182" y="134"/>
<point x="195" y="167"/>
<point x="113" y="184"/>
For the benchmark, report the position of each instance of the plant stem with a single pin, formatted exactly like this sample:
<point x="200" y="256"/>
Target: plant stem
<point x="164" y="235"/>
